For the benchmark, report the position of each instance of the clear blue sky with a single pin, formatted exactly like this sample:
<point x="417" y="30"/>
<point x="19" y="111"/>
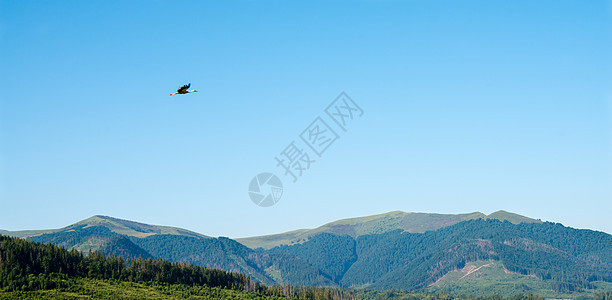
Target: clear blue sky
<point x="468" y="106"/>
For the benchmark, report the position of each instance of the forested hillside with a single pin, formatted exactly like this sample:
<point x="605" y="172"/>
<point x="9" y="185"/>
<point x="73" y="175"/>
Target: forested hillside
<point x="95" y="238"/>
<point x="546" y="258"/>
<point x="221" y="253"/>
<point x="379" y="224"/>
<point x="29" y="266"/>
<point x="36" y="270"/>
<point x="567" y="259"/>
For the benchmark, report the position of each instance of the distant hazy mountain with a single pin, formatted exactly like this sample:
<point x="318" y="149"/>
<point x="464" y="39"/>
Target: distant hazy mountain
<point x="473" y="253"/>
<point x="377" y="224"/>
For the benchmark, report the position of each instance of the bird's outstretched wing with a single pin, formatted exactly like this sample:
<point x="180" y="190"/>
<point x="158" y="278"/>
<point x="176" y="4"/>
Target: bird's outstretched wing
<point x="184" y="88"/>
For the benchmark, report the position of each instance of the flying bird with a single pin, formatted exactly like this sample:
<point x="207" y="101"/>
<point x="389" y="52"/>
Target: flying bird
<point x="183" y="90"/>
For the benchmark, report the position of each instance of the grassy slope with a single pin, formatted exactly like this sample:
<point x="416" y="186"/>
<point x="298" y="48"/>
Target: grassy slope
<point x="85" y="288"/>
<point x="119" y="226"/>
<point x="410" y="222"/>
<point x="28" y="233"/>
<point x="135" y="229"/>
<point x="511" y="217"/>
<point x="481" y="278"/>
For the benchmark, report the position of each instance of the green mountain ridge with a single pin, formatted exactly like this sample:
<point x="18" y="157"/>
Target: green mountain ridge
<point x="31" y="270"/>
<point x="131" y="239"/>
<point x="93" y="238"/>
<point x="119" y="226"/>
<point x="377" y="224"/>
<point x="396" y="250"/>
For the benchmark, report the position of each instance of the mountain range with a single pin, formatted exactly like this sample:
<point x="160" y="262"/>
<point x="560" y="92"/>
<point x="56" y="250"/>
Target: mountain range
<point x="472" y="253"/>
<point x="382" y="223"/>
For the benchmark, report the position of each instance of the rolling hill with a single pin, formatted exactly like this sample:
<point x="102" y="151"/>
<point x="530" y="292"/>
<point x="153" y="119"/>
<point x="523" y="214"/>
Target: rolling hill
<point x="119" y="226"/>
<point x="377" y="224"/>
